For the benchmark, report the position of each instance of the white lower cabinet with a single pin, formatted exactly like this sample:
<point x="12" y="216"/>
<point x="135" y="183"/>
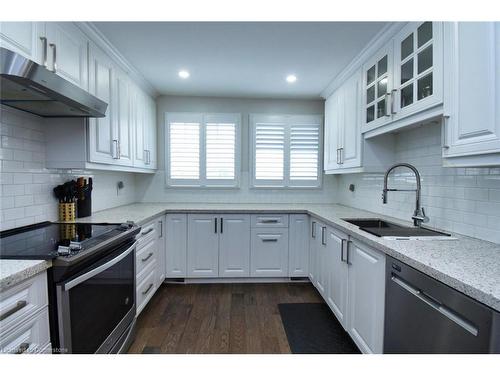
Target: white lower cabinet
<point x="269" y="252"/>
<point x="234" y="246"/>
<point x="366" y="296"/>
<point x="313" y="250"/>
<point x="350" y="276"/>
<point x="24" y="327"/>
<point x="202" y="246"/>
<point x="176" y="245"/>
<point x="298" y="246"/>
<point x="161" y="270"/>
<point x="336" y="288"/>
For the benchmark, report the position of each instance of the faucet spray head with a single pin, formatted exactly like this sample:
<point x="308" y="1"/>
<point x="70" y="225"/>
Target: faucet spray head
<point x="384" y="196"/>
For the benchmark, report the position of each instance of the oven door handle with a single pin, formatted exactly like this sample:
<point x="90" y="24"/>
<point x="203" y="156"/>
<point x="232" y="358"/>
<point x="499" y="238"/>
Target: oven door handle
<point x="103" y="267"/>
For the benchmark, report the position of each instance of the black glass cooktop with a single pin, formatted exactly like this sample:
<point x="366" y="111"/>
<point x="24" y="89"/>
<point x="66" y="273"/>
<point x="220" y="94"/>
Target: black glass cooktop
<point x="42" y="241"/>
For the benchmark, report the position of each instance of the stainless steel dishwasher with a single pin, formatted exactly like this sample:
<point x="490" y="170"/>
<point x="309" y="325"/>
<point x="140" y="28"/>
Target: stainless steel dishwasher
<point x="423" y="315"/>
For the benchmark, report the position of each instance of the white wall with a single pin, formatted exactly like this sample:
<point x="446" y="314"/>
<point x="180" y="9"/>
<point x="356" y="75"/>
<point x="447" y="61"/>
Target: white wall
<point x="26" y="185"/>
<point x="153" y="189"/>
<point x="463" y="200"/>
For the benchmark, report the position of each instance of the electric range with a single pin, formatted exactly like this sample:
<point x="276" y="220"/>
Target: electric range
<point x="91" y="283"/>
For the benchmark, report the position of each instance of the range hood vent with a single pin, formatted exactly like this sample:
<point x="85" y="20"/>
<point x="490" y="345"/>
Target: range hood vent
<point x="30" y="87"/>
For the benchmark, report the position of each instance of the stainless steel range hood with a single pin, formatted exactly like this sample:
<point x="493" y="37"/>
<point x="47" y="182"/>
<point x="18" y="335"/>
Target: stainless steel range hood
<point x="30" y="87"/>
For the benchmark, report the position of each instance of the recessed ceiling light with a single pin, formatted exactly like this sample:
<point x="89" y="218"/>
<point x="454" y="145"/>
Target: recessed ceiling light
<point x="183" y="74"/>
<point x="291" y="78"/>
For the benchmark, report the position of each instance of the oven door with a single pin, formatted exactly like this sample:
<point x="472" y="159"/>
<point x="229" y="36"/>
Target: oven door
<point x="96" y="306"/>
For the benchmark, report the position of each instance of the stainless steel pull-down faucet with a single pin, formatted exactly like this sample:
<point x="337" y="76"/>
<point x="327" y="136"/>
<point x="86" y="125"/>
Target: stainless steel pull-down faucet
<point x="419" y="213"/>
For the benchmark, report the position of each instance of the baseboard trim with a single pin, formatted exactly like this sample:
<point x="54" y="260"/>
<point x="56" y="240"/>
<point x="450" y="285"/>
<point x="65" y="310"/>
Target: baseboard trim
<point x="238" y="280"/>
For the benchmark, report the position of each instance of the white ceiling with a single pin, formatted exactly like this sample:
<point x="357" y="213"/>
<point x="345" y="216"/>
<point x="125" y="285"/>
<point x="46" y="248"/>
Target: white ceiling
<point x="240" y="59"/>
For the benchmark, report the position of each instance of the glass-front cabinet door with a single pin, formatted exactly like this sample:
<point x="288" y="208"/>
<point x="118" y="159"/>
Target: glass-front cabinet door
<point x="418" y="75"/>
<point x="377" y="87"/>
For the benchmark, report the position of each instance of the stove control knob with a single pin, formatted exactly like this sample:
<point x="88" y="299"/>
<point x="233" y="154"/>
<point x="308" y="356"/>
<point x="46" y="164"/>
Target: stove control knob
<point x="63" y="250"/>
<point x="75" y="245"/>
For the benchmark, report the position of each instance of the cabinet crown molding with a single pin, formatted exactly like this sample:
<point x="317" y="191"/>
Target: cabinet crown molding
<point x="377" y="42"/>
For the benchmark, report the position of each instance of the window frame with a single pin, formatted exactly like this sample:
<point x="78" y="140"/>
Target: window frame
<point x="288" y="120"/>
<point x="203" y="119"/>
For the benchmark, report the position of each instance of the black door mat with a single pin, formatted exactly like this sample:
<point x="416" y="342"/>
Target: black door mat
<point x="311" y="328"/>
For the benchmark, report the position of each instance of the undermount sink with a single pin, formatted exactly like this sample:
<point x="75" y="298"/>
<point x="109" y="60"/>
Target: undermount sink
<point x="388" y="230"/>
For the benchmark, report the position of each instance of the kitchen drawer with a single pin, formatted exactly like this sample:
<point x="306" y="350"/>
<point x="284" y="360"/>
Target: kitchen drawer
<point x="145" y="288"/>
<point x="31" y="336"/>
<point x="22" y="300"/>
<point x="270" y="221"/>
<point x="269" y="252"/>
<point x="145" y="256"/>
<point x="147" y="234"/>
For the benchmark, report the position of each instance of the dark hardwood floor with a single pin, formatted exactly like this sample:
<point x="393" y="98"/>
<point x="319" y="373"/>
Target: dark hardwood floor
<point x="218" y="318"/>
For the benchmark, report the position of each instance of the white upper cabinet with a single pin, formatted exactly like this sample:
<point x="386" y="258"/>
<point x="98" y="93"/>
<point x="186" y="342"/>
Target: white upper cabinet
<point x="103" y="146"/>
<point x="471" y="125"/>
<point x="26" y="38"/>
<point x="144" y="117"/>
<point x="67" y="52"/>
<point x="60" y="46"/>
<point x="403" y="81"/>
<point x="377" y="88"/>
<point x="343" y="140"/>
<point x="122" y="120"/>
<point x="418" y="68"/>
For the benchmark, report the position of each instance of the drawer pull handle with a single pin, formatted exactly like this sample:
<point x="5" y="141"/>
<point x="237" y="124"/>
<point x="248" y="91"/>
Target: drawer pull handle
<point x="19" y="306"/>
<point x="269" y="240"/>
<point x="147" y="290"/>
<point x="269" y="221"/>
<point x="22" y="348"/>
<point x="149" y="256"/>
<point x="147" y="231"/>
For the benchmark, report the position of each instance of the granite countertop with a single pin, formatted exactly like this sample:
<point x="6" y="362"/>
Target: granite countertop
<point x="469" y="265"/>
<point x="15" y="271"/>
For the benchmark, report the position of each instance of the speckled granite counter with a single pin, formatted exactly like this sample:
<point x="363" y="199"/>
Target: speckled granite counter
<point x="469" y="265"/>
<point x="15" y="271"/>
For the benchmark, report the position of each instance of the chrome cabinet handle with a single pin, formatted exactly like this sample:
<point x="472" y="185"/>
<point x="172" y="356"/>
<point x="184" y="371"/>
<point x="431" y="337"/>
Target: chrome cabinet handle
<point x="269" y="221"/>
<point x="147" y="231"/>
<point x="338" y="159"/>
<point x="348" y="242"/>
<point x="323" y="235"/>
<point x="54" y="56"/>
<point x="115" y="149"/>
<point x="444" y="130"/>
<point x="393" y="91"/>
<point x="44" y="52"/>
<point x="222" y="225"/>
<point x="22" y="348"/>
<point x="313" y="229"/>
<point x="118" y="150"/>
<point x="147" y="290"/>
<point x="19" y="305"/>
<point x="388" y="99"/>
<point x="149" y="256"/>
<point x="342" y="242"/>
<point x="215" y="225"/>
<point x="161" y="229"/>
<point x="341" y="155"/>
<point x="269" y="239"/>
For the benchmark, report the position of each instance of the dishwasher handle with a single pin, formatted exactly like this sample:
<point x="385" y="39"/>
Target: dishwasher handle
<point x="438" y="307"/>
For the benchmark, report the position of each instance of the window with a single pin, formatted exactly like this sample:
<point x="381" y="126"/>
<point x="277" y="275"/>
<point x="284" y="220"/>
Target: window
<point x="286" y="150"/>
<point x="202" y="149"/>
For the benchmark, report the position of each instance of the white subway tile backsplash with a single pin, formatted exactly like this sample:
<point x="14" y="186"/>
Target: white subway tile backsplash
<point x="463" y="200"/>
<point x="26" y="185"/>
